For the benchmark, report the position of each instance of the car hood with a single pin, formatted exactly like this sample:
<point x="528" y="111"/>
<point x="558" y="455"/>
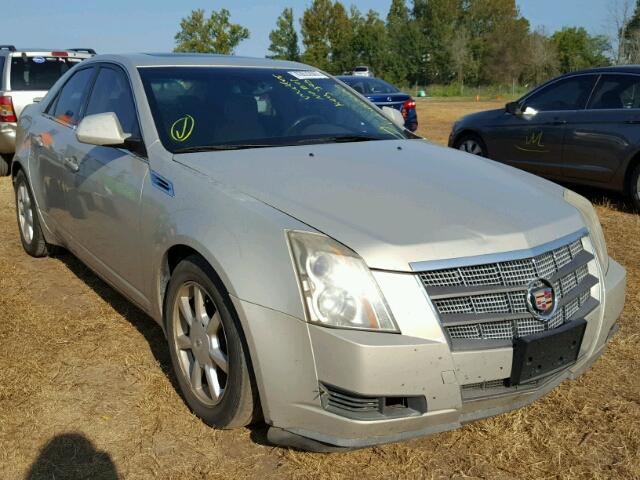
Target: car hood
<point x="482" y="117"/>
<point x="398" y="202"/>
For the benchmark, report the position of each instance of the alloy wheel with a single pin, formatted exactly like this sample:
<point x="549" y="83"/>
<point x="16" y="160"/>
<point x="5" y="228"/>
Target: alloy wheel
<point x="25" y="213"/>
<point x="471" y="146"/>
<point x="201" y="343"/>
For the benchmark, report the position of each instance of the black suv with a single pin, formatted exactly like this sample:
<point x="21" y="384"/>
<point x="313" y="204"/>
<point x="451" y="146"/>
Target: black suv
<point x="582" y="127"/>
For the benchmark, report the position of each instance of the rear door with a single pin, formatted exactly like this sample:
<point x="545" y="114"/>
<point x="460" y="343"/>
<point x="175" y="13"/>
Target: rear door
<point x="599" y="139"/>
<point x="534" y="139"/>
<point x="104" y="189"/>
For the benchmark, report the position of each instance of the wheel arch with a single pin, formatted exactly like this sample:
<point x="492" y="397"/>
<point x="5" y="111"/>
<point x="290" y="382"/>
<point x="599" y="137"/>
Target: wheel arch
<point x="632" y="164"/>
<point x="16" y="166"/>
<point x="471" y="132"/>
<point x="170" y="260"/>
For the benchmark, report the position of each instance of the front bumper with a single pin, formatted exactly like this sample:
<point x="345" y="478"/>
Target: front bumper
<point x="7" y="138"/>
<point x="292" y="359"/>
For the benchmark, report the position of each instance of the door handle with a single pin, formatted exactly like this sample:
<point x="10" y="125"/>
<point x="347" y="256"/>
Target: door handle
<point x="558" y="122"/>
<point x="72" y="163"/>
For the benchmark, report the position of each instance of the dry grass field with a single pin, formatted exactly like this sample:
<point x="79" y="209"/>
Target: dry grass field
<point x="86" y="389"/>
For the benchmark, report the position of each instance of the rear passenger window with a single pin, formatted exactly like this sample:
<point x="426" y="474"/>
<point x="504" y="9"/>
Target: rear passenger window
<point x="1" y="72"/>
<point x="67" y="107"/>
<point x="616" y="92"/>
<point x="111" y="93"/>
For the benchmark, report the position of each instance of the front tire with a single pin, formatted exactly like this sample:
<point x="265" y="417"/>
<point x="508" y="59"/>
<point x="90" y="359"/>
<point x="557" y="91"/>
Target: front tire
<point x="471" y="143"/>
<point x="31" y="234"/>
<point x="208" y="351"/>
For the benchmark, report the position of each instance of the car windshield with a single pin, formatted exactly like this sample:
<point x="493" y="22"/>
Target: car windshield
<point x="217" y="108"/>
<point x="368" y="86"/>
<point x="38" y="72"/>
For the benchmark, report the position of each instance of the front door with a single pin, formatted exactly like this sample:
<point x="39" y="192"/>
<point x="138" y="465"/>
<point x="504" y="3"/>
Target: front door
<point x="534" y="139"/>
<point x="105" y="187"/>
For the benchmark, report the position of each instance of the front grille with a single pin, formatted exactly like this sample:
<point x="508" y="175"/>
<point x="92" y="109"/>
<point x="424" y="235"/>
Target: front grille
<point x="488" y="302"/>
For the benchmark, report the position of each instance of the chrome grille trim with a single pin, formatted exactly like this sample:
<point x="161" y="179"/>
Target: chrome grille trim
<point x="484" y="306"/>
<point x="515" y="255"/>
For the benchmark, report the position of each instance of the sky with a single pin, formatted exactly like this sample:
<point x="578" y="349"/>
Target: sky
<point x="120" y="26"/>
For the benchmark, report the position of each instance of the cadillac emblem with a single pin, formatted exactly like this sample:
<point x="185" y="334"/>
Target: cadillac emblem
<point x="541" y="299"/>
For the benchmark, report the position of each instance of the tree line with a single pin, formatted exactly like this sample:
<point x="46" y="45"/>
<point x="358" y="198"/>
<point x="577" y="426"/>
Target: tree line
<point x="423" y="42"/>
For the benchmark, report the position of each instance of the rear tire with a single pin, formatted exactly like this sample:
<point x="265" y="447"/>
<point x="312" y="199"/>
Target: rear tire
<point x="634" y="188"/>
<point x="208" y="351"/>
<point x="31" y="234"/>
<point x="471" y="143"/>
<point x="5" y="165"/>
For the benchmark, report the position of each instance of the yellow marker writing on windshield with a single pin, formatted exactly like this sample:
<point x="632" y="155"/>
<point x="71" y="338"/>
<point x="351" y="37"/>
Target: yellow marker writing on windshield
<point x="182" y="128"/>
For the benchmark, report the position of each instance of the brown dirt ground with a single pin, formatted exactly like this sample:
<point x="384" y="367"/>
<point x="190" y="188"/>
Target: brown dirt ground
<point x="86" y="389"/>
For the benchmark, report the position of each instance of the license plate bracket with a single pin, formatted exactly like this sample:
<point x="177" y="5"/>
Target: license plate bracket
<point x="541" y="354"/>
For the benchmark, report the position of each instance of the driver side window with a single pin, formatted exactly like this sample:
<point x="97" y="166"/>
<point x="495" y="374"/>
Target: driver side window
<point x="566" y="94"/>
<point x="111" y="93"/>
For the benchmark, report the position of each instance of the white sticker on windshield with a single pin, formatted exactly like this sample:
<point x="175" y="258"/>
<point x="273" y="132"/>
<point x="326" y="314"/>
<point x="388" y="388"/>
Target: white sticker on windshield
<point x="38" y="60"/>
<point x="307" y="74"/>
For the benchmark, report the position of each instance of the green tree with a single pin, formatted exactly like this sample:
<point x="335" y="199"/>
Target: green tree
<point x="369" y="40"/>
<point x="341" y="40"/>
<point x="438" y="21"/>
<point x="284" y="39"/>
<point x="405" y="44"/>
<point x="498" y="34"/>
<point x="577" y="49"/>
<point x="213" y="35"/>
<point x="629" y="35"/>
<point x="315" y="23"/>
<point x="542" y="58"/>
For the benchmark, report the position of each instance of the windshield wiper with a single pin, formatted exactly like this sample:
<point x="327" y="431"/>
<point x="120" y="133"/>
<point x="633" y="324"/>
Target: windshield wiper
<point x="337" y="139"/>
<point x="214" y="148"/>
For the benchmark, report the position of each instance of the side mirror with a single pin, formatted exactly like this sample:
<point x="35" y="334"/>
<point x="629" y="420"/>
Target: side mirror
<point x="514" y="108"/>
<point x="101" y="129"/>
<point x="394" y="115"/>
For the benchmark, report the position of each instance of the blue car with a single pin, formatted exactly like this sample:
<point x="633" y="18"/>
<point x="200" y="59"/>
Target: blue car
<point x="384" y="94"/>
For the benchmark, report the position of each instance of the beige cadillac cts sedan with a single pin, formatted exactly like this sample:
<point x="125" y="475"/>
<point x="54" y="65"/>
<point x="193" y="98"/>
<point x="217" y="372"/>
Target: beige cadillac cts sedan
<point x="311" y="262"/>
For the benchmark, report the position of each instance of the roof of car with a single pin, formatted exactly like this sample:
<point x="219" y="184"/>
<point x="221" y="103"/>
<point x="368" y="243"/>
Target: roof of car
<point x="4" y="50"/>
<point x="197" y="59"/>
<point x="613" y="69"/>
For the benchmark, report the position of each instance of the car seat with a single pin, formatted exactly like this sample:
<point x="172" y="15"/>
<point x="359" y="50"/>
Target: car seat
<point x="240" y="120"/>
<point x="609" y="100"/>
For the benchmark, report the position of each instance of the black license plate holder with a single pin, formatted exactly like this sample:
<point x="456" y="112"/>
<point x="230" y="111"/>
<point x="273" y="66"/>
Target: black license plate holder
<point x="541" y="354"/>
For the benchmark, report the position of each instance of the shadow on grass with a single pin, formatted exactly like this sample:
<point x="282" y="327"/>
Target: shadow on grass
<point x="136" y="317"/>
<point x="144" y="324"/>
<point x="72" y="456"/>
<point x="598" y="196"/>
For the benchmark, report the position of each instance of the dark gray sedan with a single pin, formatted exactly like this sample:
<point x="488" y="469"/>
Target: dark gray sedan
<point x="581" y="128"/>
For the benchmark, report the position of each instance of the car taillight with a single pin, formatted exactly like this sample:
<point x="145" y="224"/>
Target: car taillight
<point x="409" y="104"/>
<point x="7" y="113"/>
<point x="59" y="54"/>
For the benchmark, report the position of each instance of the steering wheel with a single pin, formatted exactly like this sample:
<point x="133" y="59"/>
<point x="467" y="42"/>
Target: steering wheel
<point x="304" y="122"/>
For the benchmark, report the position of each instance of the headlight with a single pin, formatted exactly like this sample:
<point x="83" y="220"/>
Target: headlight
<point x="592" y="222"/>
<point x="337" y="286"/>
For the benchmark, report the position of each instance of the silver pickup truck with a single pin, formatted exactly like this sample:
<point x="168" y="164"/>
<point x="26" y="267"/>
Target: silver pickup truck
<point x="25" y="76"/>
